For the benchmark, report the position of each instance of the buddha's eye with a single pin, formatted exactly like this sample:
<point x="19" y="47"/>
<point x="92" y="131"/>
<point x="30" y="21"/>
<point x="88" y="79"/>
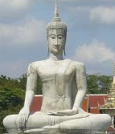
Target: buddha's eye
<point x="52" y="37"/>
<point x="60" y="37"/>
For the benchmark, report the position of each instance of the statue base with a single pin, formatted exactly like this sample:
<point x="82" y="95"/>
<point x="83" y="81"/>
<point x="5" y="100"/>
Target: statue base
<point x="71" y="133"/>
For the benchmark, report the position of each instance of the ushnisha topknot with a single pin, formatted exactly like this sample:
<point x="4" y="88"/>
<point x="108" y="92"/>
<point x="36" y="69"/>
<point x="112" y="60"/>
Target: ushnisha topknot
<point x="56" y="22"/>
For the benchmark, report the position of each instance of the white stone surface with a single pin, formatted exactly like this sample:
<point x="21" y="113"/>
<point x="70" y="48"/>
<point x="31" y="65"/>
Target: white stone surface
<point x="64" y="88"/>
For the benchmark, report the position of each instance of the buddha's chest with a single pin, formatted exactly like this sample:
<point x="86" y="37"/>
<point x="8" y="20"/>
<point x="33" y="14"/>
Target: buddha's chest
<point x="61" y="70"/>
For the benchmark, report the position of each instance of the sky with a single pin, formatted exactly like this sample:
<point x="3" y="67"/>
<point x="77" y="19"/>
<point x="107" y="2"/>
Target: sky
<point x="90" y="38"/>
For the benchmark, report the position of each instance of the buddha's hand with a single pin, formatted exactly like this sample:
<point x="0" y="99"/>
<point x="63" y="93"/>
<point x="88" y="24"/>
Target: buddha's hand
<point x="79" y="110"/>
<point x="67" y="112"/>
<point x="23" y="117"/>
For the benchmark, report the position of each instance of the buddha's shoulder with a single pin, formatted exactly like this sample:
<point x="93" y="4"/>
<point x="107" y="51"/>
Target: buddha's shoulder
<point x="46" y="62"/>
<point x="77" y="63"/>
<point x="37" y="63"/>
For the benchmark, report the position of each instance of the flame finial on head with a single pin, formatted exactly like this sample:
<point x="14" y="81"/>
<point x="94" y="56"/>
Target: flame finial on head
<point x="56" y="23"/>
<point x="56" y="12"/>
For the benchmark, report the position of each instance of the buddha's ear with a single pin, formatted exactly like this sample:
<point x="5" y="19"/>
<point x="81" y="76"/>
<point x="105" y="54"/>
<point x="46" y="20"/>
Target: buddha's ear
<point x="47" y="47"/>
<point x="47" y="43"/>
<point x="48" y="50"/>
<point x="65" y="34"/>
<point x="47" y="36"/>
<point x="64" y="50"/>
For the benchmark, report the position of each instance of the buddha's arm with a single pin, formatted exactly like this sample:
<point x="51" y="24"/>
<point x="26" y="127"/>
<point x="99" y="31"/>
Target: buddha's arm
<point x="31" y="85"/>
<point x="81" y="85"/>
<point x="30" y="90"/>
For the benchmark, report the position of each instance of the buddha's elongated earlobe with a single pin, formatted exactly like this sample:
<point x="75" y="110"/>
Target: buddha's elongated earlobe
<point x="48" y="51"/>
<point x="64" y="50"/>
<point x="47" y="45"/>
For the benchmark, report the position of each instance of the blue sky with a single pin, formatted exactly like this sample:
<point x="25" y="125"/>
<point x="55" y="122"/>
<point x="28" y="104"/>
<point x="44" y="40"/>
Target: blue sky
<point x="91" y="33"/>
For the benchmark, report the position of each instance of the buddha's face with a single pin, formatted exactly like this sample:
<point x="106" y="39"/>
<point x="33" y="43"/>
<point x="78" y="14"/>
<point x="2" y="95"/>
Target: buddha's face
<point x="56" y="41"/>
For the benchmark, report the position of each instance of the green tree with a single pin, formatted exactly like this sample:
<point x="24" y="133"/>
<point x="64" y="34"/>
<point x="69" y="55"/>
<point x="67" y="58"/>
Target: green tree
<point x="7" y="82"/>
<point x="11" y="101"/>
<point x="98" y="84"/>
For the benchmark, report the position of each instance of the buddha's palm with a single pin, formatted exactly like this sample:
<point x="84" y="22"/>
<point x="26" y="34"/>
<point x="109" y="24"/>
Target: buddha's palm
<point x="64" y="112"/>
<point x="23" y="117"/>
<point x="68" y="112"/>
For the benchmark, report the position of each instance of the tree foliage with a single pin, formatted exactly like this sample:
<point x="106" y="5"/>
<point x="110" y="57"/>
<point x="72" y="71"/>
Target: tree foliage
<point x="7" y="82"/>
<point x="98" y="84"/>
<point x="13" y="83"/>
<point x="11" y="101"/>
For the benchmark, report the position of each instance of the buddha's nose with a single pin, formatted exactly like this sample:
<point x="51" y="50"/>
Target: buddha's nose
<point x="56" y="41"/>
<point x="57" y="46"/>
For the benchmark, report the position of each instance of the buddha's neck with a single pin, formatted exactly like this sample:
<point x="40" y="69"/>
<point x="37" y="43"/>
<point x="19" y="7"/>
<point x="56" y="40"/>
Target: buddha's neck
<point x="56" y="57"/>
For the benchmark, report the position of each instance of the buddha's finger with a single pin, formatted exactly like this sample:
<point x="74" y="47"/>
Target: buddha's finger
<point x="74" y="111"/>
<point x="26" y="117"/>
<point x="19" y="119"/>
<point x="17" y="122"/>
<point x="68" y="112"/>
<point x="23" y="120"/>
<point x="65" y="111"/>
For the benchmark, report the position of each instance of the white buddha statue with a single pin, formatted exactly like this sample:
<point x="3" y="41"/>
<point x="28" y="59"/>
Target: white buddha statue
<point x="64" y="88"/>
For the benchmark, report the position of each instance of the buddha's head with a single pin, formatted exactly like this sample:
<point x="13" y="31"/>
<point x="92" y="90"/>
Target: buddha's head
<point x="56" y="34"/>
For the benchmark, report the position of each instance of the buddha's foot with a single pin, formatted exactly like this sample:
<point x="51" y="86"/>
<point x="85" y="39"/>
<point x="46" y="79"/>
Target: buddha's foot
<point x="52" y="129"/>
<point x="33" y="131"/>
<point x="77" y="116"/>
<point x="47" y="129"/>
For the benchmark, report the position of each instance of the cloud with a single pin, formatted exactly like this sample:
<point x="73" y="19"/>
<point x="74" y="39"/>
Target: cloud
<point x="99" y="14"/>
<point x="80" y="9"/>
<point x="83" y="0"/>
<point x="10" y="10"/>
<point x="29" y="33"/>
<point x="97" y="57"/>
<point x="96" y="52"/>
<point x="103" y="14"/>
